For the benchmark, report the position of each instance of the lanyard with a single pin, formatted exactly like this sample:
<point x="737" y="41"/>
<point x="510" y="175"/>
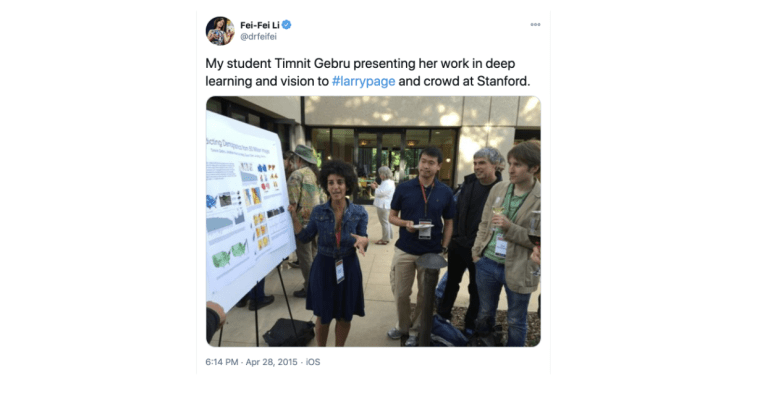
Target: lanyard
<point x="512" y="187"/>
<point x="426" y="198"/>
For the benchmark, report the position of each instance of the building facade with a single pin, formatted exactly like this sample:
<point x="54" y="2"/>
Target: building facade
<point x="374" y="131"/>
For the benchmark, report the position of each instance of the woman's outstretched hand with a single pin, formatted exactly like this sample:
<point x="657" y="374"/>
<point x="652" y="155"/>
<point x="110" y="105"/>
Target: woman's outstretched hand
<point x="361" y="243"/>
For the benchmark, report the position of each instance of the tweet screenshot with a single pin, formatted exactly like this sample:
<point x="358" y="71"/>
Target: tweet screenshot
<point x="371" y="192"/>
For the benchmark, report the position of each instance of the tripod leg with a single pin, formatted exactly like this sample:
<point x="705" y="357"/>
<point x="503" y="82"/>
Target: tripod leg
<point x="256" y="316"/>
<point x="280" y="273"/>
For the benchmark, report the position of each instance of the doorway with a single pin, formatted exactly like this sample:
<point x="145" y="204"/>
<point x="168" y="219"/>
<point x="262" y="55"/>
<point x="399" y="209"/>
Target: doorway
<point x="374" y="149"/>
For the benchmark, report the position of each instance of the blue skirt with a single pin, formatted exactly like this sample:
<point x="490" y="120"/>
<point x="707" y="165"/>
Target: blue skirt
<point x="328" y="299"/>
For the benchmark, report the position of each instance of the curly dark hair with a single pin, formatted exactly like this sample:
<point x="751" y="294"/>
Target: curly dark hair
<point x="337" y="167"/>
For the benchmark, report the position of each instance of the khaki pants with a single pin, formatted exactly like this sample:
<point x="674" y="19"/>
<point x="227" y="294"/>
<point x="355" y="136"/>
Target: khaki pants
<point x="401" y="278"/>
<point x="386" y="227"/>
<point x="306" y="252"/>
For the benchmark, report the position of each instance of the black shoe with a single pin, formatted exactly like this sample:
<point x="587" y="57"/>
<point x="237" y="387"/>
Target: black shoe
<point x="300" y="293"/>
<point x="294" y="264"/>
<point x="242" y="302"/>
<point x="266" y="302"/>
<point x="487" y="340"/>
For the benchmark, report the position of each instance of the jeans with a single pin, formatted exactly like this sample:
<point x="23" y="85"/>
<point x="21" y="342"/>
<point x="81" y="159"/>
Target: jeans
<point x="490" y="279"/>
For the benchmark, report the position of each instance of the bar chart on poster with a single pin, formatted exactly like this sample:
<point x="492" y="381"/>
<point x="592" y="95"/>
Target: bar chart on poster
<point x="248" y="228"/>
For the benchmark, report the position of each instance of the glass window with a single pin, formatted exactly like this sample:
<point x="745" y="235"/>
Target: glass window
<point x="343" y="144"/>
<point x="445" y="141"/>
<point x="415" y="140"/>
<point x="321" y="141"/>
<point x="213" y="105"/>
<point x="522" y="135"/>
<point x="366" y="166"/>
<point x="238" y="115"/>
<point x="390" y="146"/>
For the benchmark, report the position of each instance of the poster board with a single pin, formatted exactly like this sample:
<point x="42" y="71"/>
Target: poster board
<point x="247" y="223"/>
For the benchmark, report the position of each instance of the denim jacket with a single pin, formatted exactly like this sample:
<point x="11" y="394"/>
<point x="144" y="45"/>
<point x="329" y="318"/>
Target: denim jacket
<point x="322" y="223"/>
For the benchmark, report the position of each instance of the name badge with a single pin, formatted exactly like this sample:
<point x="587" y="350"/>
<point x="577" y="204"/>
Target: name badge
<point x="339" y="271"/>
<point x="426" y="233"/>
<point x="501" y="247"/>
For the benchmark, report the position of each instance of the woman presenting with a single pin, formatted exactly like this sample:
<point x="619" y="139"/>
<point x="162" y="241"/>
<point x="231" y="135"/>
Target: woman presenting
<point x="335" y="288"/>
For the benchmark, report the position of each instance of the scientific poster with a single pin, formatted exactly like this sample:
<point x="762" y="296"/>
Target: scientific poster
<point x="248" y="227"/>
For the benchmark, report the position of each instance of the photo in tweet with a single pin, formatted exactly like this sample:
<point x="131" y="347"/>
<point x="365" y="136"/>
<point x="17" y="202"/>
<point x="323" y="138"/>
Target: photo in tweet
<point x="378" y="156"/>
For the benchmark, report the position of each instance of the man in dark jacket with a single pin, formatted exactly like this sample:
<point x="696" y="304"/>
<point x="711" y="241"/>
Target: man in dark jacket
<point x="488" y="163"/>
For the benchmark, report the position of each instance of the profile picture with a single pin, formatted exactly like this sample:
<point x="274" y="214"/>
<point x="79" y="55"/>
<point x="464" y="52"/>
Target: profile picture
<point x="220" y="31"/>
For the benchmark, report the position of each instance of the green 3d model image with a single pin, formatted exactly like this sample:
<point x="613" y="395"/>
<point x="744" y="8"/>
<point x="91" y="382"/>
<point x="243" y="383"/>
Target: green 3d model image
<point x="220" y="259"/>
<point x="239" y="249"/>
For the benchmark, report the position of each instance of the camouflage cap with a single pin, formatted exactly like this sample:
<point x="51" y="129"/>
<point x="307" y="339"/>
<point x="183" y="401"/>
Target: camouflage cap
<point x="305" y="153"/>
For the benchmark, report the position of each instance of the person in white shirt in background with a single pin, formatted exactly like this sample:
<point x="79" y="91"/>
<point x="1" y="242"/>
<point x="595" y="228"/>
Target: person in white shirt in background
<point x="382" y="201"/>
<point x="399" y="175"/>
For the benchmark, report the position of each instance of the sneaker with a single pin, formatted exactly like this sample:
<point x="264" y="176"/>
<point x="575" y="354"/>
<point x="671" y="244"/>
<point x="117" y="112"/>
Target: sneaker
<point x="412" y="341"/>
<point x="266" y="302"/>
<point x="394" y="334"/>
<point x="300" y="293"/>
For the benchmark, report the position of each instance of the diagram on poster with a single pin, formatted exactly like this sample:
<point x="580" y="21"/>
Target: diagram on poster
<point x="248" y="230"/>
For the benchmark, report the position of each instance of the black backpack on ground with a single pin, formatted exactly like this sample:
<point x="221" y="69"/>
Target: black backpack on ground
<point x="282" y="333"/>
